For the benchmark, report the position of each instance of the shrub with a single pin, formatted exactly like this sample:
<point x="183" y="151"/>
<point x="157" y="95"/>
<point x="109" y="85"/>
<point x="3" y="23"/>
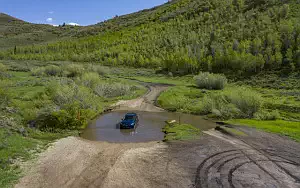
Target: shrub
<point x="74" y="70"/>
<point x="221" y="106"/>
<point x="210" y="81"/>
<point x="246" y="100"/>
<point x="232" y="103"/>
<point x="7" y="122"/>
<point x="53" y="120"/>
<point x="101" y="70"/>
<point x="38" y="71"/>
<point x="4" y="99"/>
<point x="90" y="79"/>
<point x="113" y="90"/>
<point x="53" y="70"/>
<point x="50" y="70"/>
<point x="74" y="106"/>
<point x="3" y="73"/>
<point x="3" y="68"/>
<point x="265" y="115"/>
<point x="65" y="94"/>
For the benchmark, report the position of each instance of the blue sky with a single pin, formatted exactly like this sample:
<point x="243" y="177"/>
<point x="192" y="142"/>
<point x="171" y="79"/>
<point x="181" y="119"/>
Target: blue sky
<point x="83" y="12"/>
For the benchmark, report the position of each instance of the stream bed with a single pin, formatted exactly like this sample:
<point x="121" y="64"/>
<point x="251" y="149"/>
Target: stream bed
<point x="106" y="127"/>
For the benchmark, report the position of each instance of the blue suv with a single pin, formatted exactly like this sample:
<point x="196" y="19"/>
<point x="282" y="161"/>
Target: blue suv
<point x="130" y="121"/>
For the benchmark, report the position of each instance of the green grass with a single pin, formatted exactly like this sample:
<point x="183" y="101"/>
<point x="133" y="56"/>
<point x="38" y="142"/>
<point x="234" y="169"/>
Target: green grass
<point x="27" y="99"/>
<point x="29" y="96"/>
<point x="15" y="147"/>
<point x="182" y="99"/>
<point x="180" y="132"/>
<point x="285" y="128"/>
<point x="234" y="101"/>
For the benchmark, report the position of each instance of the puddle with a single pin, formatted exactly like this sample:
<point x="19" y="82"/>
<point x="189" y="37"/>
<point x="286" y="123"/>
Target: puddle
<point x="106" y="128"/>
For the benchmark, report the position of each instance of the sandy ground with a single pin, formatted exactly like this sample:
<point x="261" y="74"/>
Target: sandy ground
<point x="216" y="160"/>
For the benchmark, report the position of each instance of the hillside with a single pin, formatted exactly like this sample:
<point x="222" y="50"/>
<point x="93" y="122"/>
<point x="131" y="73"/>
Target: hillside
<point x="16" y="32"/>
<point x="236" y="62"/>
<point x="6" y="19"/>
<point x="185" y="36"/>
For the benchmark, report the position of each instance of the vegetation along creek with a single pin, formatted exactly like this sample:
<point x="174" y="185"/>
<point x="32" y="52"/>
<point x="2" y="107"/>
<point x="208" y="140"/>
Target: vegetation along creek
<point x="215" y="85"/>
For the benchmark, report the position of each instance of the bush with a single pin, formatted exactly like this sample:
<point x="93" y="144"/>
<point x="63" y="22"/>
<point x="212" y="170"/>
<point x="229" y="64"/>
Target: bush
<point x="50" y="70"/>
<point x="73" y="106"/>
<point x="113" y="90"/>
<point x="3" y="73"/>
<point x="74" y="70"/>
<point x="4" y="99"/>
<point x="246" y="100"/>
<point x="101" y="70"/>
<point x="264" y="115"/>
<point x="90" y="79"/>
<point x="3" y="68"/>
<point x="53" y="70"/>
<point x="64" y="94"/>
<point x="210" y="81"/>
<point x="219" y="106"/>
<point x="53" y="120"/>
<point x="38" y="71"/>
<point x="231" y="103"/>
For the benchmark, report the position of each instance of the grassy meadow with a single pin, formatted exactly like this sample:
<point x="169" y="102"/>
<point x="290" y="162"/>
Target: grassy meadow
<point x="267" y="101"/>
<point x="44" y="101"/>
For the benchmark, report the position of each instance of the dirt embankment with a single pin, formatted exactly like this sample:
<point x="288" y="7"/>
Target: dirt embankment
<point x="216" y="160"/>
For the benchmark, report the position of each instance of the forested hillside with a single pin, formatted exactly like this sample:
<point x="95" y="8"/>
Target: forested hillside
<point x="185" y="36"/>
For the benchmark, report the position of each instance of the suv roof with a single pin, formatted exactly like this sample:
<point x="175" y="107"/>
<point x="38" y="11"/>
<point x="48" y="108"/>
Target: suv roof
<point x="131" y="114"/>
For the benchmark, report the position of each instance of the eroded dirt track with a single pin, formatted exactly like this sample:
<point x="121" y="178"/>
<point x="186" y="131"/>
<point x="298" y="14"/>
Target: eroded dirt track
<point x="215" y="160"/>
<point x="146" y="102"/>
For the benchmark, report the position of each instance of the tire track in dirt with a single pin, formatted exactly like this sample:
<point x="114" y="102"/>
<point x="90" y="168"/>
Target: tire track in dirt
<point x="74" y="162"/>
<point x="222" y="169"/>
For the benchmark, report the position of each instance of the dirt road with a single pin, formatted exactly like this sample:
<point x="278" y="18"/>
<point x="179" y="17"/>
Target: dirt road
<point x="145" y="103"/>
<point x="216" y="160"/>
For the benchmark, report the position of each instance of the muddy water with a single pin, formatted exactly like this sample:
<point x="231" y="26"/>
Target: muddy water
<point x="106" y="128"/>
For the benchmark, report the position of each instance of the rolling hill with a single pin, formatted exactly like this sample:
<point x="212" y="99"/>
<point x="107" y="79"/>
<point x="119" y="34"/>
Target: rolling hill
<point x="16" y="32"/>
<point x="185" y="36"/>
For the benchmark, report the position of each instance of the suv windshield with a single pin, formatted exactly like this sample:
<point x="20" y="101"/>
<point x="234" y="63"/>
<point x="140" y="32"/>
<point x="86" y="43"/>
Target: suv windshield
<point x="129" y="117"/>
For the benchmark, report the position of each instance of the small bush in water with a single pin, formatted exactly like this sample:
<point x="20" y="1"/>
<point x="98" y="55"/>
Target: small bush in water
<point x="210" y="81"/>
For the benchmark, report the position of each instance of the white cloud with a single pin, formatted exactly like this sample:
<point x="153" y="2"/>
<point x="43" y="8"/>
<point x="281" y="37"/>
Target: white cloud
<point x="51" y="12"/>
<point x="49" y="19"/>
<point x="73" y="24"/>
<point x="55" y="25"/>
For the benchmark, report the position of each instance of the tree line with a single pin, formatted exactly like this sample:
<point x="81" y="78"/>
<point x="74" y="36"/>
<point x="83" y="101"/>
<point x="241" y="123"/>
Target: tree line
<point x="189" y="36"/>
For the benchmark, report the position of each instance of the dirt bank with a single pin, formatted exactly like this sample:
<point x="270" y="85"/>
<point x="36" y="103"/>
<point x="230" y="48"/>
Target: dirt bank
<point x="216" y="160"/>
